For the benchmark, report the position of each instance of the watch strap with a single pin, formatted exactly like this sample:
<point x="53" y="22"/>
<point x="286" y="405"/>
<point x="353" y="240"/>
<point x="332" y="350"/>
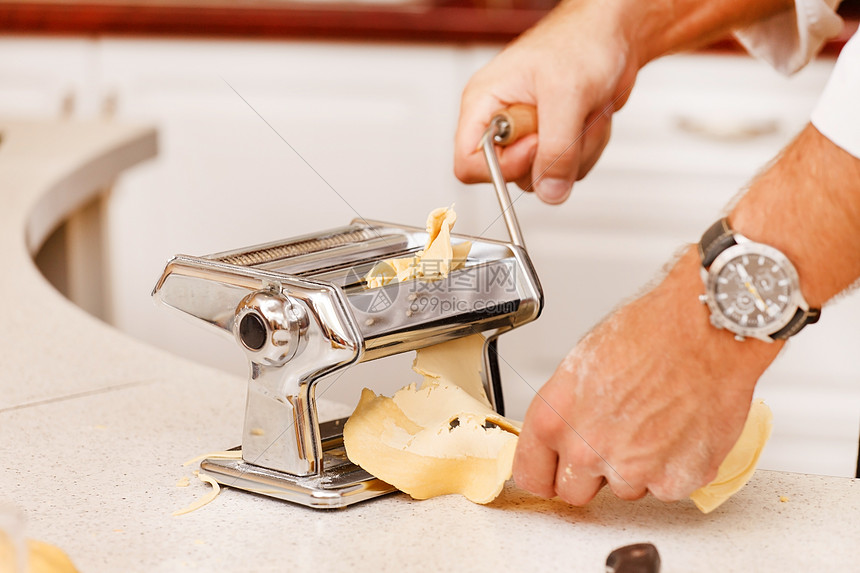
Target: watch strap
<point x="716" y="239"/>
<point x="800" y="319"/>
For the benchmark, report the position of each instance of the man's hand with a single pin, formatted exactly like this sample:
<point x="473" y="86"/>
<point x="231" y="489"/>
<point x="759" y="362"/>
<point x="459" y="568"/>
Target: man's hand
<point x="652" y="400"/>
<point x="576" y="67"/>
<point x="655" y="397"/>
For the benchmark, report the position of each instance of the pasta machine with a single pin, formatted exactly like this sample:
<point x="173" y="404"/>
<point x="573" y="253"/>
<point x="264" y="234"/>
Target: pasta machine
<point x="301" y="311"/>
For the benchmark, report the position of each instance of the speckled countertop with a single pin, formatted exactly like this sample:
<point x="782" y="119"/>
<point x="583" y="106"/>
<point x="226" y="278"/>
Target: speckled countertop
<point x="94" y="427"/>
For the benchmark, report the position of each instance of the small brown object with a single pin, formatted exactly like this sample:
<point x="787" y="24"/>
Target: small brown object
<point x="521" y="120"/>
<point x="637" y="558"/>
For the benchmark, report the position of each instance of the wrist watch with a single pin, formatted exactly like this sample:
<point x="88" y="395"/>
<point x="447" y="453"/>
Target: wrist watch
<point x="752" y="289"/>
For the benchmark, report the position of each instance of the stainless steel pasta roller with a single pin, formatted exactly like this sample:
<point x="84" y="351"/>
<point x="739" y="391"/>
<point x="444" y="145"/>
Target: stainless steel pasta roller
<point x="301" y="310"/>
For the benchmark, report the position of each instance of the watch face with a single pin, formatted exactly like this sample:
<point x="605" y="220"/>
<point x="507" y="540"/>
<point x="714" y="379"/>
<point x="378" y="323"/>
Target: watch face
<point x="752" y="289"/>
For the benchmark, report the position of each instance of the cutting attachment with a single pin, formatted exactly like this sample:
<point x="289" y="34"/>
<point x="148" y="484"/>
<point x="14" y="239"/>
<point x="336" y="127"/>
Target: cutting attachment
<point x="302" y="311"/>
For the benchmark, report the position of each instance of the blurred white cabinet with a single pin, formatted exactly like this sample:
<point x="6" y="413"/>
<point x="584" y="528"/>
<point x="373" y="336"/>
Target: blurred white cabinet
<point x="265" y="140"/>
<point x="46" y="78"/>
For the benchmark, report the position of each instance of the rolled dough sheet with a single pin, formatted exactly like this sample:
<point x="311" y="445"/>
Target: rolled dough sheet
<point x="440" y="437"/>
<point x="436" y="438"/>
<point x="739" y="466"/>
<point x="436" y="260"/>
<point x="459" y="361"/>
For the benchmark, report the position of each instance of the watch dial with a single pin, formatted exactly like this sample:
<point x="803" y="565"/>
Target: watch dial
<point x="752" y="291"/>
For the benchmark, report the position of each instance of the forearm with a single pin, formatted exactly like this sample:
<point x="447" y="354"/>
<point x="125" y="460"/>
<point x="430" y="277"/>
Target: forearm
<point x="807" y="204"/>
<point x="659" y="27"/>
<point x="665" y="26"/>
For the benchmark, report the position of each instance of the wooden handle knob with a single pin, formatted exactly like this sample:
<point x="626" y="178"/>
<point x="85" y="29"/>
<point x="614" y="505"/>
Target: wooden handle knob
<point x="521" y="120"/>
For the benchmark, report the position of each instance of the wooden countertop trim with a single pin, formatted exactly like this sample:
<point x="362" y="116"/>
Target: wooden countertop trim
<point x="337" y="22"/>
<point x="454" y="21"/>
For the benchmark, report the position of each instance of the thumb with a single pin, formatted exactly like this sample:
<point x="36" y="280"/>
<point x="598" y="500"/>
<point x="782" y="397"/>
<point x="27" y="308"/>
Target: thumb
<point x="559" y="147"/>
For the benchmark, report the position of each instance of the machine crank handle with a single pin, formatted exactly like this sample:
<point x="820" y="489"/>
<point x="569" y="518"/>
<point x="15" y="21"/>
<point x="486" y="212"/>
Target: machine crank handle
<point x="507" y="126"/>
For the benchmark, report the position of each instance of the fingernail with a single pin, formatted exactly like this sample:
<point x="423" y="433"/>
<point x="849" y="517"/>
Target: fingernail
<point x="553" y="190"/>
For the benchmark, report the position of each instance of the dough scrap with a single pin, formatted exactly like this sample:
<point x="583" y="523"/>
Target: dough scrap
<point x="213" y="493"/>
<point x="219" y="455"/>
<point x="437" y="438"/>
<point x="42" y="557"/>
<point x="46" y="558"/>
<point x="739" y="466"/>
<point x="438" y="258"/>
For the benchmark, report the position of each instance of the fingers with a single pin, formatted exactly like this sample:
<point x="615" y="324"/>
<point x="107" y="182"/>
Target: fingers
<point x="569" y="142"/>
<point x="594" y="141"/>
<point x="516" y="160"/>
<point x="552" y="459"/>
<point x="577" y="484"/>
<point x="556" y="164"/>
<point x="476" y="105"/>
<point x="597" y="131"/>
<point x="623" y="488"/>
<point x="576" y="479"/>
<point x="680" y="478"/>
<point x="534" y="465"/>
<point x="567" y="151"/>
<point x="470" y="166"/>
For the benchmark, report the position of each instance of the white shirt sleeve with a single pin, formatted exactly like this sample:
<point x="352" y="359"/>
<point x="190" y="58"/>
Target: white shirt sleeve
<point x="790" y="39"/>
<point x="836" y="115"/>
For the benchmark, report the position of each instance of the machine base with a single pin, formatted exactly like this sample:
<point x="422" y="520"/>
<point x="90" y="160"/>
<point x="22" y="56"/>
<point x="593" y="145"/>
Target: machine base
<point x="341" y="483"/>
